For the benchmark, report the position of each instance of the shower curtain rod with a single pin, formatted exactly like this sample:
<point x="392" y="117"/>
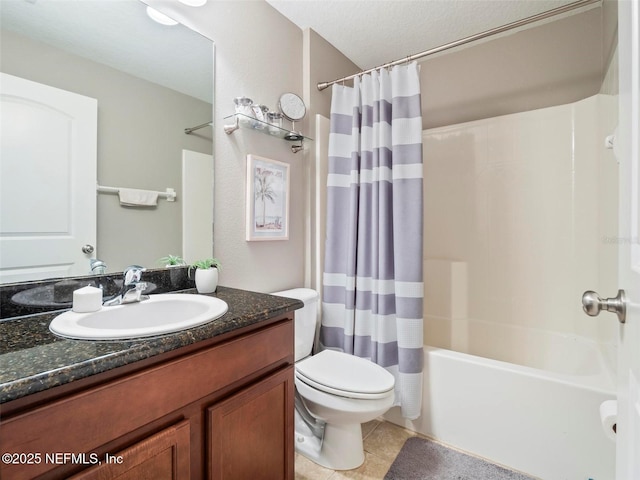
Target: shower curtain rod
<point x="471" y="38"/>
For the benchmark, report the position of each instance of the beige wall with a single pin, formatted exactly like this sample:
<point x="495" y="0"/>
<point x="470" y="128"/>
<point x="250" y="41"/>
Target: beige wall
<point x="554" y="62"/>
<point x="551" y="64"/>
<point x="610" y="82"/>
<point x="258" y="55"/>
<point x="140" y="142"/>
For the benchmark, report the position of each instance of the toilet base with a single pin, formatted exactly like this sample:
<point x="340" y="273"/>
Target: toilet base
<point x="341" y="448"/>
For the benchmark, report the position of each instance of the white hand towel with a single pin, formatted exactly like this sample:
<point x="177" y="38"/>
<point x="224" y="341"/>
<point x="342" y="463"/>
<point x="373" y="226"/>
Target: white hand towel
<point x="137" y="198"/>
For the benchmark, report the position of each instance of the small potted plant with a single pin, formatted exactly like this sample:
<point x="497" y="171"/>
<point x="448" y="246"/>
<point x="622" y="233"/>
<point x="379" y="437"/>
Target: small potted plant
<point x="172" y="261"/>
<point x="206" y="274"/>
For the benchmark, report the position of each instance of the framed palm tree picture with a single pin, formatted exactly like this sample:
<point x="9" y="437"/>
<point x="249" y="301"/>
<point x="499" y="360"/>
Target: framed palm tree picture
<point x="267" y="199"/>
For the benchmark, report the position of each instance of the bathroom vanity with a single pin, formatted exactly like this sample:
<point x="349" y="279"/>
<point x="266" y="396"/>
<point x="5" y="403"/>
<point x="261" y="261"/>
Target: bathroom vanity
<point x="214" y="401"/>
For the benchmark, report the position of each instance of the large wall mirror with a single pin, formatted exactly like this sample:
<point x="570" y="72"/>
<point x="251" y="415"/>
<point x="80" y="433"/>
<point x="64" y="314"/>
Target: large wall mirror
<point x="148" y="81"/>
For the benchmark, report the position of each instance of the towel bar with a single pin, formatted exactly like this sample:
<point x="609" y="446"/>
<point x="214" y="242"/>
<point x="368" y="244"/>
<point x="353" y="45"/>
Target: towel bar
<point x="169" y="193"/>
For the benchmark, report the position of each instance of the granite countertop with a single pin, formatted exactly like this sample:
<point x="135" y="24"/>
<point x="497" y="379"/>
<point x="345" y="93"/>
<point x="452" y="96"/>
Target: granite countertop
<point x="33" y="359"/>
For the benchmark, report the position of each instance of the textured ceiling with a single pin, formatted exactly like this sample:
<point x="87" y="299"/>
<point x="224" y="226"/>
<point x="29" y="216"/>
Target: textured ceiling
<point x="373" y="32"/>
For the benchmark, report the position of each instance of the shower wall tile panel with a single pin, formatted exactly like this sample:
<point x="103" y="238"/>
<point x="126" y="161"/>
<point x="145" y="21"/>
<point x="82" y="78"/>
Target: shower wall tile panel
<point x="525" y="201"/>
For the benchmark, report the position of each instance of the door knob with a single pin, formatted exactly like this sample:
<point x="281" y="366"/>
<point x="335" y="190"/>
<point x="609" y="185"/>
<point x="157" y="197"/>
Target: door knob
<point x="592" y="304"/>
<point x="87" y="249"/>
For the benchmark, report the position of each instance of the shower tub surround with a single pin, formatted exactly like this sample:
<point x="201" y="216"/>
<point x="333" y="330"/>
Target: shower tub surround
<point x="514" y="370"/>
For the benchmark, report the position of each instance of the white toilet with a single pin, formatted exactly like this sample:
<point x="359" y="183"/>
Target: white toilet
<point x="339" y="391"/>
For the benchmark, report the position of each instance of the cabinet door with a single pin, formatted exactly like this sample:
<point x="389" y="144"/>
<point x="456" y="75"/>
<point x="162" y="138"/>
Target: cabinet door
<point x="250" y="435"/>
<point x="163" y="456"/>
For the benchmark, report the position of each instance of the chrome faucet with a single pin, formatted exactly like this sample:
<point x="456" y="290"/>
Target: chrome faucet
<point x="132" y="287"/>
<point x="98" y="267"/>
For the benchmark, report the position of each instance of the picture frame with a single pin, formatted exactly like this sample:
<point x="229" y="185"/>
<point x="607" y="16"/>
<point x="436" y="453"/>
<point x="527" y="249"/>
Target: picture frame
<point x="267" y="204"/>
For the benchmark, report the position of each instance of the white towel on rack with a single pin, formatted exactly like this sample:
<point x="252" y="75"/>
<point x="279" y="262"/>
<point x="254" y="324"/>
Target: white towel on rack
<point x="132" y="197"/>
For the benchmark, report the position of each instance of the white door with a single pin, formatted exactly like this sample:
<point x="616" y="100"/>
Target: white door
<point x="197" y="205"/>
<point x="628" y="152"/>
<point x="47" y="180"/>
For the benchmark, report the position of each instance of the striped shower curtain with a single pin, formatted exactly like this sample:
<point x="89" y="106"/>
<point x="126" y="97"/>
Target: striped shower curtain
<point x="372" y="282"/>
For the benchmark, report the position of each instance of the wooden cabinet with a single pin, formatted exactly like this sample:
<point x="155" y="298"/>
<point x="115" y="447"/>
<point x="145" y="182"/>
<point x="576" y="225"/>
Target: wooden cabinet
<point x="163" y="456"/>
<point x="221" y="410"/>
<point x="239" y="425"/>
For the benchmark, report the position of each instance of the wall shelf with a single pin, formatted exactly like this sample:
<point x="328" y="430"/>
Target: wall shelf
<point x="244" y="121"/>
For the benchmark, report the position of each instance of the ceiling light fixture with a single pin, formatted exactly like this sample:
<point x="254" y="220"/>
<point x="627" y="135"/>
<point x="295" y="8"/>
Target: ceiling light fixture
<point x="193" y="3"/>
<point x="160" y="17"/>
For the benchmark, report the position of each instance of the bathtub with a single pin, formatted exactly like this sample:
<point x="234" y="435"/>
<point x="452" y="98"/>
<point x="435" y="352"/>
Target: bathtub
<point x="533" y="408"/>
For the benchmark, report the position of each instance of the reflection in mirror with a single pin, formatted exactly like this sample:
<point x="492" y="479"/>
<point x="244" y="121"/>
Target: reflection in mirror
<point x="147" y="83"/>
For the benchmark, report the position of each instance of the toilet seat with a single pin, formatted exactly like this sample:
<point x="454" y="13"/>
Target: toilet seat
<point x="345" y="375"/>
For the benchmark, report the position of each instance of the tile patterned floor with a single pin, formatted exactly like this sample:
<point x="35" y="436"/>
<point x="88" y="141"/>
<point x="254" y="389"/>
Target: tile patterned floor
<point x="382" y="443"/>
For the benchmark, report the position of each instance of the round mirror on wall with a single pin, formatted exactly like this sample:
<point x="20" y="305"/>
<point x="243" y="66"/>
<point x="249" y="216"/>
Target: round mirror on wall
<point x="293" y="109"/>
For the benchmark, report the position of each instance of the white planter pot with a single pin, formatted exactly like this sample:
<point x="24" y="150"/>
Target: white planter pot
<point x="206" y="280"/>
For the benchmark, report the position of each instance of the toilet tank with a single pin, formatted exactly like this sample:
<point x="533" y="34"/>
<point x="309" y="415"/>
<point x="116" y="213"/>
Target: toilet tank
<point x="305" y="319"/>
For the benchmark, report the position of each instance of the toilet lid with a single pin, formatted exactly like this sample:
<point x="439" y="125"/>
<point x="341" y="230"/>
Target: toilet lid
<point x="345" y="375"/>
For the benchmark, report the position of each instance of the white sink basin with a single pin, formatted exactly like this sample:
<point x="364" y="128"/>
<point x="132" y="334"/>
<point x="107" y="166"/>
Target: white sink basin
<point x="162" y="313"/>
